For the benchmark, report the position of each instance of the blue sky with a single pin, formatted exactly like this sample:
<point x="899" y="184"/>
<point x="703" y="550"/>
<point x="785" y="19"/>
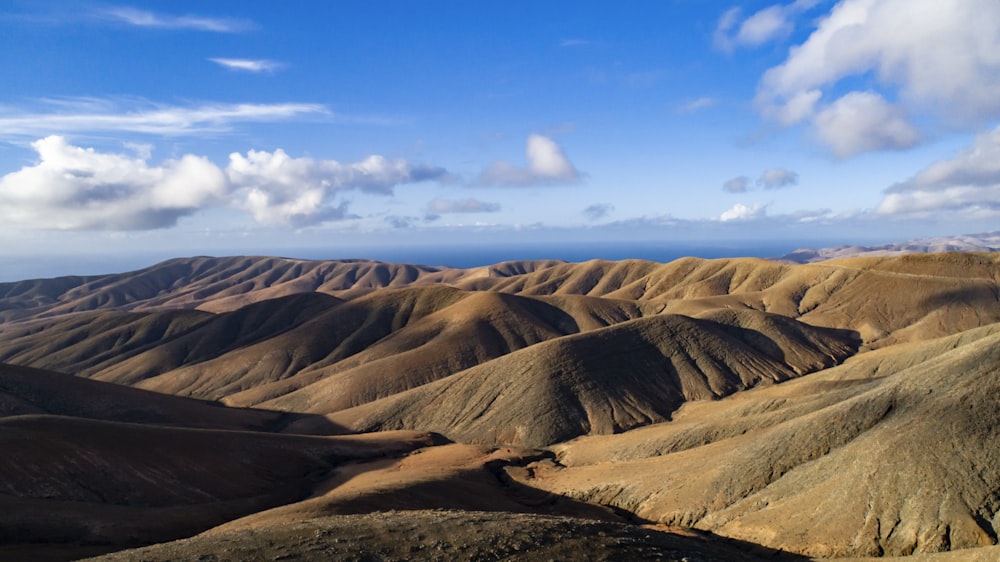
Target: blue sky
<point x="154" y="129"/>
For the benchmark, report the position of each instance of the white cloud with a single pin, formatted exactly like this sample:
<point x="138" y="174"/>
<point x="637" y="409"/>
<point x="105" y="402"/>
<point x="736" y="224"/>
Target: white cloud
<point x="776" y="178"/>
<point x="967" y="185"/>
<point x="937" y="57"/>
<point x="95" y="115"/>
<point x="145" y="18"/>
<point x="796" y="109"/>
<point x="864" y="121"/>
<point x="741" y="212"/>
<point x="73" y="188"/>
<point x="598" y="211"/>
<point x="279" y="189"/>
<point x="737" y="185"/>
<point x="546" y="165"/>
<point x="763" y="26"/>
<point x="248" y="65"/>
<point x="696" y="105"/>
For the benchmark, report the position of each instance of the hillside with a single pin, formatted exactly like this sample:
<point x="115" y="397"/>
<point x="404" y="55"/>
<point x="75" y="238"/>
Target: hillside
<point x="832" y="409"/>
<point x="890" y="453"/>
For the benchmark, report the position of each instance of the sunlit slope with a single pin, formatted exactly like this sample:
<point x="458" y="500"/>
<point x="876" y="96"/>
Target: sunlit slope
<point x="147" y="343"/>
<point x="894" y="451"/>
<point x="887" y="300"/>
<point x="608" y="380"/>
<point x="368" y="348"/>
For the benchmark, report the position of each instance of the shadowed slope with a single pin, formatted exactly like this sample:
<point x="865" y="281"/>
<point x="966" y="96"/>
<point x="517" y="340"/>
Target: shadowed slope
<point x="892" y="452"/>
<point x="25" y="391"/>
<point x="606" y="380"/>
<point x="460" y="536"/>
<point x="110" y="483"/>
<point x="92" y="463"/>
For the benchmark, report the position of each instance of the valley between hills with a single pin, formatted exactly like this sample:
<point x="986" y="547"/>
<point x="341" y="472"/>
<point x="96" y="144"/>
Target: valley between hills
<point x="258" y="408"/>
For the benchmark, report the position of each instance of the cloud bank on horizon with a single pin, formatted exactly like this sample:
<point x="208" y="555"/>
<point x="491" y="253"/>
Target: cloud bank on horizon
<point x="855" y="114"/>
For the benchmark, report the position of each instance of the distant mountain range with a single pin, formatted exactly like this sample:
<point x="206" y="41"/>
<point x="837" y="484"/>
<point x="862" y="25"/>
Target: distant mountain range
<point x="983" y="242"/>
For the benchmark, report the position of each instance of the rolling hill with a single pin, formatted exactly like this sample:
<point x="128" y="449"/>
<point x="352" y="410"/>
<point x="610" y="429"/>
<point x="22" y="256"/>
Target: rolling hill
<point x="839" y="408"/>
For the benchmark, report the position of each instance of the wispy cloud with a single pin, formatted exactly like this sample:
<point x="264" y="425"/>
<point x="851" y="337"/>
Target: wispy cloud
<point x="765" y="25"/>
<point x="573" y="43"/>
<point x="446" y="206"/>
<point x="773" y="178"/>
<point x="90" y="115"/>
<point x="966" y="187"/>
<point x="145" y="18"/>
<point x="248" y="65"/>
<point x="696" y="105"/>
<point x="598" y="211"/>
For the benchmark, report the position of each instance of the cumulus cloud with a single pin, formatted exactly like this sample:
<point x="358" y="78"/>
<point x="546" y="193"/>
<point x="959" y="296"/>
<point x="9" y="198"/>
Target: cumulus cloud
<point x="96" y="115"/>
<point x="769" y="24"/>
<point x="73" y="188"/>
<point x="284" y="190"/>
<point x="776" y="178"/>
<point x="247" y="65"/>
<point x="967" y="185"/>
<point x="145" y="18"/>
<point x="737" y="185"/>
<point x="547" y="164"/>
<point x="864" y="121"/>
<point x="938" y="57"/>
<point x="741" y="212"/>
<point x="598" y="211"/>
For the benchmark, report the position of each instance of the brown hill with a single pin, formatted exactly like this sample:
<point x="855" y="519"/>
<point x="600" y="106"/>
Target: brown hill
<point x="127" y="348"/>
<point x="222" y="284"/>
<point x="701" y="393"/>
<point x="607" y="380"/>
<point x="440" y="535"/>
<point x="84" y="482"/>
<point x="887" y="300"/>
<point x="365" y="349"/>
<point x="25" y="391"/>
<point x="891" y="453"/>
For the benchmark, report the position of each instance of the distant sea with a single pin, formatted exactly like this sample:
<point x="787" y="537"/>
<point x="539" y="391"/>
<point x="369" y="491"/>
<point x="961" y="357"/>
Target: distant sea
<point x="473" y="256"/>
<point x="462" y="256"/>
